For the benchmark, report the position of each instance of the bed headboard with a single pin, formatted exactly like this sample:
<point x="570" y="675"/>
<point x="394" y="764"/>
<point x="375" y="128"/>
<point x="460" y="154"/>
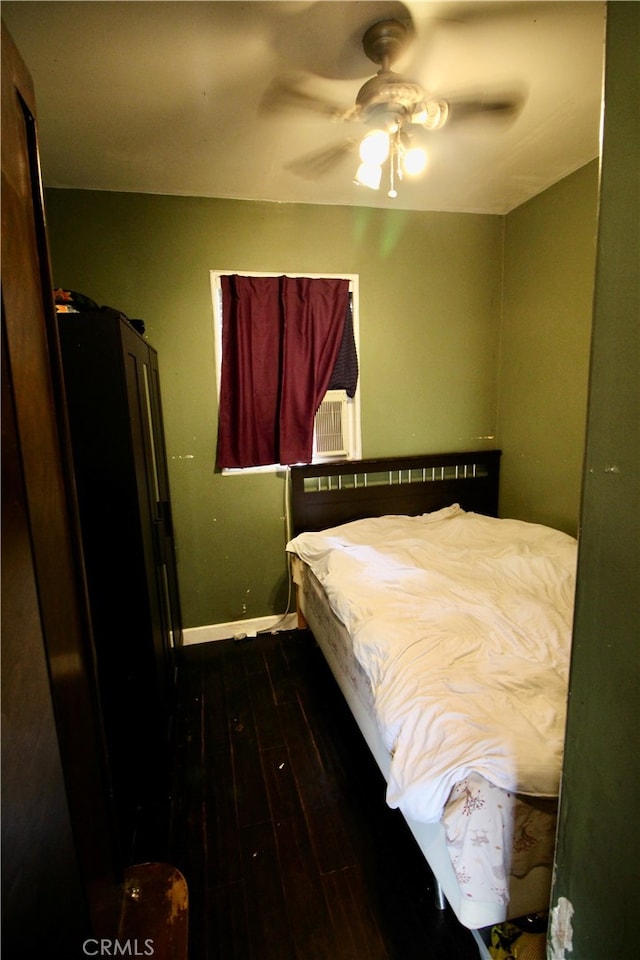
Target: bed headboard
<point x="325" y="495"/>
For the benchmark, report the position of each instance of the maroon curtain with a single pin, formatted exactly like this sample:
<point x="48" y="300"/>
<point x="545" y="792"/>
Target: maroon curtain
<point x="280" y="340"/>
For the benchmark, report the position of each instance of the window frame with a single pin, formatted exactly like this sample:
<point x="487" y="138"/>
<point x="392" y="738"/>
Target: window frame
<point x="353" y="404"/>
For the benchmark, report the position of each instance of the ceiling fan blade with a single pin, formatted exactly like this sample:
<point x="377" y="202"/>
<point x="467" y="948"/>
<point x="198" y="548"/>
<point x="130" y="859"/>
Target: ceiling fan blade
<point x="499" y="108"/>
<point x="317" y="164"/>
<point x="286" y="94"/>
<point x="325" y="39"/>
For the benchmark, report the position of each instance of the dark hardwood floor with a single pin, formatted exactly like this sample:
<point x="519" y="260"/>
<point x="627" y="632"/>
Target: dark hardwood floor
<point x="279" y="822"/>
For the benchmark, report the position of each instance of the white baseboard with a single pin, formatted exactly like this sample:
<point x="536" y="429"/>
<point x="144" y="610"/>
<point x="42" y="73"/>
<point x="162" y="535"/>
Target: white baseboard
<point x="234" y="628"/>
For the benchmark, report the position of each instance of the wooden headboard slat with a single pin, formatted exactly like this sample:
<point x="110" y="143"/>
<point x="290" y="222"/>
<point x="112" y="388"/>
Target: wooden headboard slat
<point x="328" y="494"/>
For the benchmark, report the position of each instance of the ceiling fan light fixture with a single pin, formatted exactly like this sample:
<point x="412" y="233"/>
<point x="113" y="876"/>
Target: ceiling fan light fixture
<point x="414" y="161"/>
<point x="378" y="147"/>
<point x="374" y="147"/>
<point x="369" y="175"/>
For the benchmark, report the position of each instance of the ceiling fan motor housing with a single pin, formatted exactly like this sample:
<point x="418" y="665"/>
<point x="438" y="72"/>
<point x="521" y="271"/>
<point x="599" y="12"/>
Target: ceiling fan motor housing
<point x="388" y="92"/>
<point x="385" y="40"/>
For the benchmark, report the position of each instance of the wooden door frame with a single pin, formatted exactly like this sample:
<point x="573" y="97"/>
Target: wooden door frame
<point x="41" y="455"/>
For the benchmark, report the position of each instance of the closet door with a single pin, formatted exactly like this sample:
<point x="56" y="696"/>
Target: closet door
<point x="60" y="863"/>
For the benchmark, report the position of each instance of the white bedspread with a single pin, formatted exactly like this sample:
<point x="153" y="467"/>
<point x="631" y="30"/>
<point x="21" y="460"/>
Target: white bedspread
<point x="463" y="625"/>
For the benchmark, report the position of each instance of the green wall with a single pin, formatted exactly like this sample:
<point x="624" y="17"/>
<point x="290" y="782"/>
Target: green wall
<point x="430" y="286"/>
<point x="439" y="346"/>
<point x="549" y="262"/>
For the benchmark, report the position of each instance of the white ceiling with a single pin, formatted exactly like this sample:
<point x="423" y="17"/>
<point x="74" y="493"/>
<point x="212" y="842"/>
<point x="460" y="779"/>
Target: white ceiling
<point x="164" y="97"/>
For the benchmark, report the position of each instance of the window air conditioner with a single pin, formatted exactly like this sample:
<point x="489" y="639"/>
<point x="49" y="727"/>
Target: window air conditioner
<point x="331" y="435"/>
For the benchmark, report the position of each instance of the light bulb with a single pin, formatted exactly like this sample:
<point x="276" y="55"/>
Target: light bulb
<point x="415" y="160"/>
<point x="369" y="175"/>
<point x="374" y="147"/>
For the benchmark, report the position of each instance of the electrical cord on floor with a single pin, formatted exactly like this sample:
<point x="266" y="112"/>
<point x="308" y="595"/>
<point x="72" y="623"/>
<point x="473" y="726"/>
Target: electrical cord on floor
<point x="287" y="520"/>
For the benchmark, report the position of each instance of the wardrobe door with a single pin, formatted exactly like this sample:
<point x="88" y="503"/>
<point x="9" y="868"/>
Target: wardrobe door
<point x="163" y="519"/>
<point x="136" y="359"/>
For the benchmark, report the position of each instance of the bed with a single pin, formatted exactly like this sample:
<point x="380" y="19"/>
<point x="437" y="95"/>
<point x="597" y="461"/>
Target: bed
<point x="474" y="773"/>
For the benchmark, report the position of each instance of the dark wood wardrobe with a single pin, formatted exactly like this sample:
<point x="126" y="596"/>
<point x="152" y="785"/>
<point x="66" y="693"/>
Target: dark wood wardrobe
<point x="112" y="387"/>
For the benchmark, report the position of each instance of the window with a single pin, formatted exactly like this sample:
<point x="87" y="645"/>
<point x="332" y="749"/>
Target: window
<point x="337" y="421"/>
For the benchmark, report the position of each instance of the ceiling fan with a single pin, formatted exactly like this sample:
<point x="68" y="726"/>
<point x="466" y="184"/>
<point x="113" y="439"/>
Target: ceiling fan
<point x="392" y="107"/>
